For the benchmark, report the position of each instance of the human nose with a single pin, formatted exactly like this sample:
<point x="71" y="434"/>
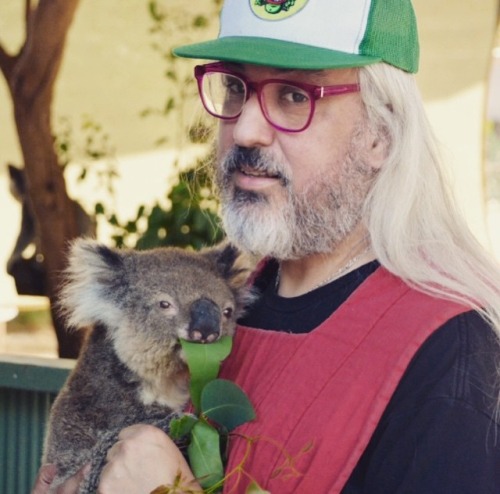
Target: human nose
<point x="251" y="127"/>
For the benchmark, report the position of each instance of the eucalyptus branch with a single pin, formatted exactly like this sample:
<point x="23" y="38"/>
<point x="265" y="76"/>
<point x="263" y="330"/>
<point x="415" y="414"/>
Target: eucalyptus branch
<point x="219" y="407"/>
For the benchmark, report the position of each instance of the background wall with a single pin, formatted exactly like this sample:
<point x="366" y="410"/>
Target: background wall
<point x="456" y="47"/>
<point x="111" y="73"/>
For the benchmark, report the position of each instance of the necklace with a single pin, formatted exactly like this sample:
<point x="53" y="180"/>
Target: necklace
<point x="346" y="267"/>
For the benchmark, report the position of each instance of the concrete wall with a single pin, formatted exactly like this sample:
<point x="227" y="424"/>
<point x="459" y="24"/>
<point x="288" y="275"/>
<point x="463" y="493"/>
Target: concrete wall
<point x="456" y="46"/>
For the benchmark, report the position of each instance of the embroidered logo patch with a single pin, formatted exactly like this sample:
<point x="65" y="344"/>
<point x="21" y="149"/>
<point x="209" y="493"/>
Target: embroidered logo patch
<point x="274" y="10"/>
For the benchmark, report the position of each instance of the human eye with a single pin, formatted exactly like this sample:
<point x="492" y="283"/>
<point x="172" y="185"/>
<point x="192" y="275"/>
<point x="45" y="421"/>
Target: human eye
<point x="293" y="95"/>
<point x="231" y="95"/>
<point x="233" y="85"/>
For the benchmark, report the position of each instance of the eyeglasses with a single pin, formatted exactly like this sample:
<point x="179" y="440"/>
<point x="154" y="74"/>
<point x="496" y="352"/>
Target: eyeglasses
<point x="287" y="105"/>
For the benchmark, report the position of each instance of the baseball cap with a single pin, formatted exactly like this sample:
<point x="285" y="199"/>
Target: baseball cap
<point x="313" y="34"/>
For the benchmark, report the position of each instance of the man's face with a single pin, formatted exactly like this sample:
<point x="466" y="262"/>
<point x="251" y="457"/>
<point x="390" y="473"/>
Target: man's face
<point x="290" y="195"/>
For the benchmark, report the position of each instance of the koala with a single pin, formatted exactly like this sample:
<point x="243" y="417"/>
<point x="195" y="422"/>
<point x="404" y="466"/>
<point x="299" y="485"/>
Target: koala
<point x="131" y="369"/>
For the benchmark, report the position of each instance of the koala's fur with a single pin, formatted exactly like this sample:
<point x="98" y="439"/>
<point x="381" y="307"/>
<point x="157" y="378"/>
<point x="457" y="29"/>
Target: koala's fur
<point x="131" y="368"/>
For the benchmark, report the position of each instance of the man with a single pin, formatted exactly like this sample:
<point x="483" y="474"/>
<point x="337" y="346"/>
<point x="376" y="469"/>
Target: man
<point x="372" y="354"/>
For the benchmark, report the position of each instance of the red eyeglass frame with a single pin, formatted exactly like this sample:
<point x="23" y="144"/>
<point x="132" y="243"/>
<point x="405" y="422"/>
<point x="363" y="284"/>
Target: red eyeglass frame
<point x="315" y="92"/>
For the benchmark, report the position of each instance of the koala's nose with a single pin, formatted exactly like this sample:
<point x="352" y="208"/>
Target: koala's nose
<point x="204" y="322"/>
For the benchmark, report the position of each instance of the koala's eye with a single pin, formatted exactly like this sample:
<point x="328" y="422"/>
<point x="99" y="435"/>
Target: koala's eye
<point x="165" y="305"/>
<point x="228" y="312"/>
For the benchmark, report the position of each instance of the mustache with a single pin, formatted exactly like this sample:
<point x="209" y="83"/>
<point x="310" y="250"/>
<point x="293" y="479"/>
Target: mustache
<point x="252" y="160"/>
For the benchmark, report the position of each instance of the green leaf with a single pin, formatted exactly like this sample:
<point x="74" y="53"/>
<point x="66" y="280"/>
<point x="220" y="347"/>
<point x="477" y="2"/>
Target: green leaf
<point x="182" y="426"/>
<point x="99" y="208"/>
<point x="200" y="21"/>
<point x="204" y="455"/>
<point x="113" y="220"/>
<point x="204" y="363"/>
<point x="255" y="488"/>
<point x="226" y="404"/>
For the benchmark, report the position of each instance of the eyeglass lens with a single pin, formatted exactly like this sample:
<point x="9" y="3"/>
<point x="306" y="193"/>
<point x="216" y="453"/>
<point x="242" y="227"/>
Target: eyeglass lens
<point x="286" y="106"/>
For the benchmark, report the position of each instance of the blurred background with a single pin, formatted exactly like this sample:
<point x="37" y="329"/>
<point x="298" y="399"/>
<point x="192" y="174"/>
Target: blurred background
<point x="128" y="129"/>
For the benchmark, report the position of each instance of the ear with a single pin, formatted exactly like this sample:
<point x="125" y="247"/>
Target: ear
<point x="94" y="262"/>
<point x="377" y="148"/>
<point x="225" y="259"/>
<point x="93" y="282"/>
<point x="17" y="179"/>
<point x="223" y="256"/>
<point x="231" y="263"/>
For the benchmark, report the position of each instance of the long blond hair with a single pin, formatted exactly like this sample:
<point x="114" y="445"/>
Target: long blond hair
<point x="415" y="228"/>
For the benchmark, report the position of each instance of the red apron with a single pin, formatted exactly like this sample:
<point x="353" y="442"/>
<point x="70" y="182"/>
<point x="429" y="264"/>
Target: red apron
<point x="319" y="396"/>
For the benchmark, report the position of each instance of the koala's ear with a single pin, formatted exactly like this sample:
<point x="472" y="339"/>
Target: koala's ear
<point x="231" y="263"/>
<point x="93" y="277"/>
<point x="225" y="258"/>
<point x="91" y="259"/>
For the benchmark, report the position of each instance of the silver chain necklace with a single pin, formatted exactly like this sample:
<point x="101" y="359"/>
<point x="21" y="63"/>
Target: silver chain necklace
<point x="332" y="277"/>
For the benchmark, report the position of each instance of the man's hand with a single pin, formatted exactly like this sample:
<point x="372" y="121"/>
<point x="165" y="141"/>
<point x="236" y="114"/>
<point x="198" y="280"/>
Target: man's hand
<point x="143" y="459"/>
<point x="46" y="475"/>
<point x="44" y="478"/>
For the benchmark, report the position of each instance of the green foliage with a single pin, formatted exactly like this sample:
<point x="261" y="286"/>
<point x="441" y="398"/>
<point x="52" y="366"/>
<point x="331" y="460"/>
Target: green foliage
<point x="88" y="148"/>
<point x="191" y="220"/>
<point x="204" y="454"/>
<point x="255" y="488"/>
<point x="183" y="426"/>
<point x="188" y="217"/>
<point x="220" y="406"/>
<point x="171" y="25"/>
<point x="203" y="363"/>
<point x="226" y="404"/>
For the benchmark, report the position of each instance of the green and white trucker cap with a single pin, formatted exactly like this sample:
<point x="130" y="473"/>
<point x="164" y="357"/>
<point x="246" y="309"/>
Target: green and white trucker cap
<point x="313" y="34"/>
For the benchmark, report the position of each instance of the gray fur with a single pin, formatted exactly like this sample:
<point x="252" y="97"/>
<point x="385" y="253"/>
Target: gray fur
<point x="131" y="368"/>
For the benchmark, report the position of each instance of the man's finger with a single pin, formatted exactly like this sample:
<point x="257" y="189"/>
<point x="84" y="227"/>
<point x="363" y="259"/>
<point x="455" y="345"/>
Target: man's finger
<point x="44" y="478"/>
<point x="72" y="485"/>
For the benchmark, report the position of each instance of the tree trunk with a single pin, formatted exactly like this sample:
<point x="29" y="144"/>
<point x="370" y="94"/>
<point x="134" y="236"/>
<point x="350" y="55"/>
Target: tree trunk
<point x="30" y="76"/>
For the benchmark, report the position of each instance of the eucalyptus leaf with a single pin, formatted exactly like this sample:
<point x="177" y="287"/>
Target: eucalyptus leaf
<point x="182" y="426"/>
<point x="204" y="455"/>
<point x="226" y="404"/>
<point x="203" y="361"/>
<point x="255" y="488"/>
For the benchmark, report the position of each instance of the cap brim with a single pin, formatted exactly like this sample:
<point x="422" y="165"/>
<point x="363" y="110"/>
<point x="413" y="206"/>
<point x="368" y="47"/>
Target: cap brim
<point x="272" y="52"/>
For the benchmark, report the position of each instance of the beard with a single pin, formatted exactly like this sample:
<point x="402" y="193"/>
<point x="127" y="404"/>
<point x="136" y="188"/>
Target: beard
<point x="291" y="225"/>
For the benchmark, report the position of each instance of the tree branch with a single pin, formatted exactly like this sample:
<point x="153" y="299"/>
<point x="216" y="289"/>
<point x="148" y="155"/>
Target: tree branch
<point x="41" y="56"/>
<point x="27" y="12"/>
<point x="7" y="63"/>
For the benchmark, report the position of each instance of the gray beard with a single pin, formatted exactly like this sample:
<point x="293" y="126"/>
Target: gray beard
<point x="294" y="225"/>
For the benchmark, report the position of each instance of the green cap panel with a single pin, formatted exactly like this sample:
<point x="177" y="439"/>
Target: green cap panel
<point x="392" y="30"/>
